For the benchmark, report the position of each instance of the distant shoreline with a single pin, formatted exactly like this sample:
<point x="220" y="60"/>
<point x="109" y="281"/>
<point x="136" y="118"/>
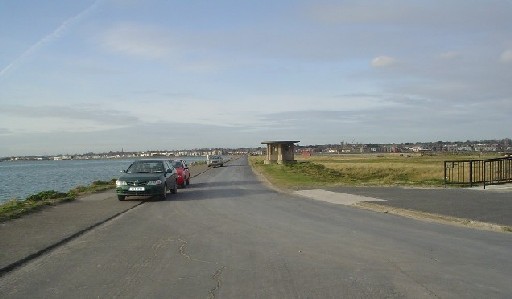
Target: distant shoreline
<point x="81" y="158"/>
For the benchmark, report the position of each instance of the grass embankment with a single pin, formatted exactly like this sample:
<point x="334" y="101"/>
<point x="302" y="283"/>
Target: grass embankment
<point x="359" y="170"/>
<point x="16" y="208"/>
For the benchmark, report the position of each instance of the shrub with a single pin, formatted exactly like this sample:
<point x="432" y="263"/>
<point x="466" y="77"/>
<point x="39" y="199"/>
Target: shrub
<point x="103" y="183"/>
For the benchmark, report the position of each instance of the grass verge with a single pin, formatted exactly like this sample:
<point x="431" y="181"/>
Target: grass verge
<point x="16" y="208"/>
<point x="315" y="173"/>
<point x="358" y="170"/>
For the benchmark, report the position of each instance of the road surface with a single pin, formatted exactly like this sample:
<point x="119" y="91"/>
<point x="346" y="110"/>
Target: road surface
<point x="229" y="236"/>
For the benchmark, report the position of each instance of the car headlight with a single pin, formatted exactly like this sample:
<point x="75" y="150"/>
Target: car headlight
<point x="121" y="183"/>
<point x="157" y="182"/>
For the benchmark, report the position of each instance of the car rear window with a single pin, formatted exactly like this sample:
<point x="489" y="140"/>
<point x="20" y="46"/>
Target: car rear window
<point x="146" y="167"/>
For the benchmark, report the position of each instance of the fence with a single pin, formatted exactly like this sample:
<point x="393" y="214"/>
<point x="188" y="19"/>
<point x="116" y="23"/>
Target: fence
<point x="476" y="172"/>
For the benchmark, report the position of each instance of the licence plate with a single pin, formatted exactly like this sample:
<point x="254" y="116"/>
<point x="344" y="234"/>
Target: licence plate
<point x="136" y="189"/>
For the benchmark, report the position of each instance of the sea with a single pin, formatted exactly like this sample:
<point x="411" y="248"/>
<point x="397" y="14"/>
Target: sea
<point x="20" y="179"/>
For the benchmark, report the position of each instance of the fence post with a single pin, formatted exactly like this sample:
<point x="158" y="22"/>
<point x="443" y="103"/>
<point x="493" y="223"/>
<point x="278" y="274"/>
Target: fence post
<point x="445" y="174"/>
<point x="471" y="173"/>
<point x="485" y="163"/>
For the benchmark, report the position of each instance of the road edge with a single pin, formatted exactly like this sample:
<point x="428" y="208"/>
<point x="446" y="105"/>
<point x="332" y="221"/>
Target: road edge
<point x="6" y="269"/>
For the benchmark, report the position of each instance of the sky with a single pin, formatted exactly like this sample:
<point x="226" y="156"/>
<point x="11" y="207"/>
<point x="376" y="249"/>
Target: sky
<point x="108" y="75"/>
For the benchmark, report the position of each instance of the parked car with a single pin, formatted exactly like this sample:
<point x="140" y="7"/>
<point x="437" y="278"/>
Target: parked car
<point x="151" y="177"/>
<point x="183" y="172"/>
<point x="214" y="160"/>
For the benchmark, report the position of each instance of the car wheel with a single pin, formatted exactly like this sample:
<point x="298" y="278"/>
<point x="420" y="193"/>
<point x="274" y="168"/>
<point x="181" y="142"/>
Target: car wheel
<point x="164" y="195"/>
<point x="184" y="184"/>
<point x="121" y="197"/>
<point x="175" y="189"/>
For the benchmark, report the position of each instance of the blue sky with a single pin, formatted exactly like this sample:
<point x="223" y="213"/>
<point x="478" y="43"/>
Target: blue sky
<point x="81" y="76"/>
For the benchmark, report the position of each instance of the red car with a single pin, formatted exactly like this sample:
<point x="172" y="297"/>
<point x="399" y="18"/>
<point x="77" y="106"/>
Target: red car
<point x="183" y="172"/>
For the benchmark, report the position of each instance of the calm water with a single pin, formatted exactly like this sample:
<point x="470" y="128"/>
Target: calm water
<point x="20" y="179"/>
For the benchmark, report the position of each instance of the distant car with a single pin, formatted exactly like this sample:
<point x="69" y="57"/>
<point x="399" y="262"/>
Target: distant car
<point x="214" y="160"/>
<point x="151" y="177"/>
<point x="183" y="172"/>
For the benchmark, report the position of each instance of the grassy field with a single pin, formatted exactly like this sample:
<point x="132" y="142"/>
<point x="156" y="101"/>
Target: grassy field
<point x="360" y="170"/>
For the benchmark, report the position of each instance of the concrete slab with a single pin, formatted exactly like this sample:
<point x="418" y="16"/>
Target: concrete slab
<point x="335" y="197"/>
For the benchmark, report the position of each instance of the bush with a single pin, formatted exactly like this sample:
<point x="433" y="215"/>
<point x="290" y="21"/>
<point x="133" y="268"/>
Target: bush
<point x="103" y="183"/>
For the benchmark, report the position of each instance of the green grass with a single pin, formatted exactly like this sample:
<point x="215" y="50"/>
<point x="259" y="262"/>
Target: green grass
<point x="360" y="170"/>
<point x="200" y="162"/>
<point x="297" y="175"/>
<point x="15" y="208"/>
<point x="96" y="186"/>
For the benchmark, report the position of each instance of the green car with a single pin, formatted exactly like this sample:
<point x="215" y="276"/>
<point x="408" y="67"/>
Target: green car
<point x="151" y="177"/>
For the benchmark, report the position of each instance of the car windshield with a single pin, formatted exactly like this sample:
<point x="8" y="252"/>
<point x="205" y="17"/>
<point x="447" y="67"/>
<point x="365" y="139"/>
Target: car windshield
<point x="177" y="164"/>
<point x="146" y="167"/>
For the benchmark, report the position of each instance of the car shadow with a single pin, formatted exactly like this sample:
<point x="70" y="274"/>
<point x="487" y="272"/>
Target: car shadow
<point x="145" y="198"/>
<point x="234" y="165"/>
<point x="220" y="184"/>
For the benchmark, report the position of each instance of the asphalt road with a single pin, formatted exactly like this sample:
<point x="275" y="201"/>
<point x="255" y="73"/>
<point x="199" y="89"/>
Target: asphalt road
<point x="229" y="236"/>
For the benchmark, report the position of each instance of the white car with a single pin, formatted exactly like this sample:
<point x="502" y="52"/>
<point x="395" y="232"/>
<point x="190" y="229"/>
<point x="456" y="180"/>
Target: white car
<point x="214" y="160"/>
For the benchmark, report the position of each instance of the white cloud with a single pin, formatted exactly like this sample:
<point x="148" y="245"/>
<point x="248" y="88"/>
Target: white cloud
<point x="383" y="61"/>
<point x="138" y="40"/>
<point x="183" y="53"/>
<point x="61" y="119"/>
<point x="506" y="56"/>
<point x="449" y="55"/>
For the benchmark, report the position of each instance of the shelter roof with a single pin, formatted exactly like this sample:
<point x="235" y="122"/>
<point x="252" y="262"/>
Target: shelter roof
<point x="279" y="142"/>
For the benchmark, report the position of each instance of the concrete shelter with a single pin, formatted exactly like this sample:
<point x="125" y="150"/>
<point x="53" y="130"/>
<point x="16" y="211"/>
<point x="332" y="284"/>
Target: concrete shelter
<point x="280" y="152"/>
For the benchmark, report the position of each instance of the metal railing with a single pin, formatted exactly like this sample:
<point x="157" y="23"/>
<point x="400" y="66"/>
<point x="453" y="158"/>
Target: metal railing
<point x="477" y="172"/>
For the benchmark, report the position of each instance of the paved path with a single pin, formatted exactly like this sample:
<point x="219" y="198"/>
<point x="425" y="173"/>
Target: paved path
<point x="492" y="205"/>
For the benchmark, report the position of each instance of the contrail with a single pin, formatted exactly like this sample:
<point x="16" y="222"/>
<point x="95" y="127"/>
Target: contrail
<point x="48" y="38"/>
